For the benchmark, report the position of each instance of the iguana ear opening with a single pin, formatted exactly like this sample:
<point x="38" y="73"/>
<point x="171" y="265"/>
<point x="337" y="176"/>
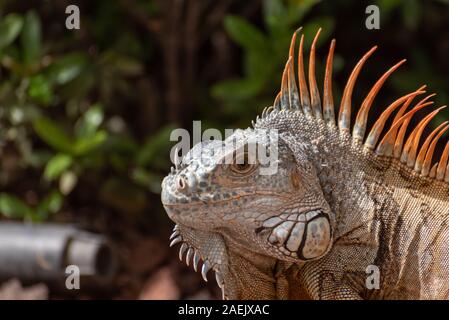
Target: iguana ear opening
<point x="295" y="178"/>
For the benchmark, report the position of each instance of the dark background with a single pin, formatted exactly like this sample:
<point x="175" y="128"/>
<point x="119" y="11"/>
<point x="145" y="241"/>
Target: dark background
<point x="85" y="115"/>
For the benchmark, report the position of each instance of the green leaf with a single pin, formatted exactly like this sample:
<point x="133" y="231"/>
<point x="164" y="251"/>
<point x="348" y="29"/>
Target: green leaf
<point x="58" y="164"/>
<point x="31" y="38"/>
<point x="13" y="207"/>
<point x="66" y="68"/>
<point x="51" y="204"/>
<point x="141" y="176"/>
<point x="244" y="33"/>
<point x="40" y="90"/>
<point x="90" y="121"/>
<point x="298" y="9"/>
<point x="53" y="135"/>
<point x="257" y="68"/>
<point x="275" y="13"/>
<point x="67" y="182"/>
<point x="80" y="86"/>
<point x="88" y="144"/>
<point x="280" y="19"/>
<point x="10" y="28"/>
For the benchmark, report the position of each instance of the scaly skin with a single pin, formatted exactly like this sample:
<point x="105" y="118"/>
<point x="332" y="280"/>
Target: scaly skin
<point x="332" y="208"/>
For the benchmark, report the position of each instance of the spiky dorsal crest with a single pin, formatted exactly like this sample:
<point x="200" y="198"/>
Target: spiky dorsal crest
<point x="305" y="98"/>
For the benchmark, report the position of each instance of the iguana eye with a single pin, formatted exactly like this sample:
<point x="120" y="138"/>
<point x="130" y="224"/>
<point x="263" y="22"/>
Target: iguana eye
<point x="241" y="164"/>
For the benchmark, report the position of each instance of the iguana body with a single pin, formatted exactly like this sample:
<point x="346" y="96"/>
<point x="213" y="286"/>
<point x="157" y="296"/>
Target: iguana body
<point x="338" y="204"/>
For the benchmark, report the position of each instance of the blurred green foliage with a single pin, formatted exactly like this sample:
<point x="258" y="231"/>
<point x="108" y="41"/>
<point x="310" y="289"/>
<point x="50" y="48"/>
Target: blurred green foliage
<point x="85" y="116"/>
<point x="48" y="121"/>
<point x="265" y="51"/>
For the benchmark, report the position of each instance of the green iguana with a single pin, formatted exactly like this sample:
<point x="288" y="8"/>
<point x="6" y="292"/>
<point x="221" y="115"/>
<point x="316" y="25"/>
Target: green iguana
<point x="338" y="205"/>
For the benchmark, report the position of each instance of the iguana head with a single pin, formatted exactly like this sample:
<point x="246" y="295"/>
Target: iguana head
<point x="248" y="195"/>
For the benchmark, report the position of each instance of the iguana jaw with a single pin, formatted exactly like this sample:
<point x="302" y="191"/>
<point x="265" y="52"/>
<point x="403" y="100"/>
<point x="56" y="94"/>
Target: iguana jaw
<point x="240" y="273"/>
<point x="210" y="248"/>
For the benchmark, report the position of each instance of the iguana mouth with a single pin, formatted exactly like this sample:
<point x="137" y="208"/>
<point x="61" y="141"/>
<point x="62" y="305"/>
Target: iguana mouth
<point x="195" y="255"/>
<point x="228" y="263"/>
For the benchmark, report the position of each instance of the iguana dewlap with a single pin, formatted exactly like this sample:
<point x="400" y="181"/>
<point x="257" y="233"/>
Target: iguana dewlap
<point x="341" y="201"/>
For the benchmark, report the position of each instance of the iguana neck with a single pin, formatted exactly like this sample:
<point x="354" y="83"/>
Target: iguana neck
<point x="344" y="180"/>
<point x="255" y="276"/>
<point x="351" y="178"/>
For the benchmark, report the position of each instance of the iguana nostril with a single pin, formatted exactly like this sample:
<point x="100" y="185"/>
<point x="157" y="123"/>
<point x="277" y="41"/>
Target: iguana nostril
<point x="181" y="184"/>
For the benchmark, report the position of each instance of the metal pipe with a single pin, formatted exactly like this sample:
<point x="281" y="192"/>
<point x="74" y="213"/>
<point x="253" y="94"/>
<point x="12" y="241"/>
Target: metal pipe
<point x="44" y="251"/>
